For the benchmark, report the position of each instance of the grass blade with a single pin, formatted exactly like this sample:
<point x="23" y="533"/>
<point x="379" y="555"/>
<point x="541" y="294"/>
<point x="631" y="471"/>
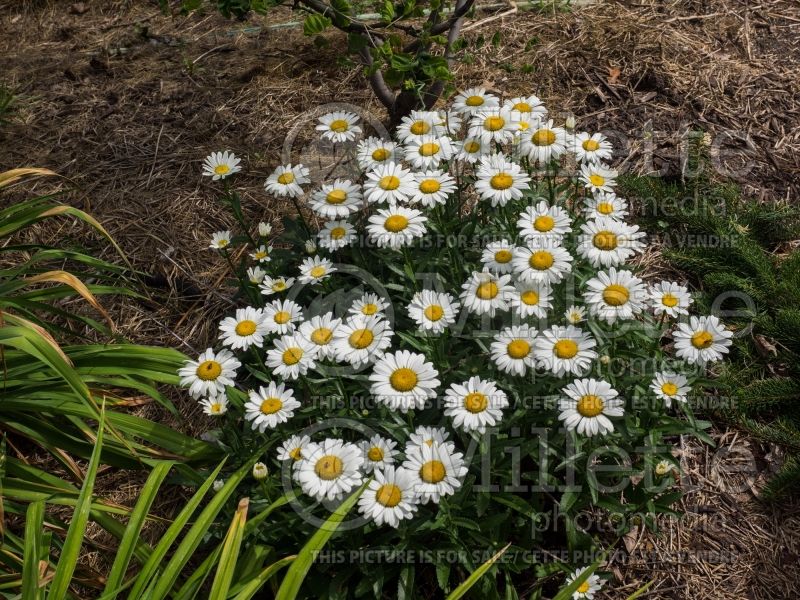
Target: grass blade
<point x="34" y="518"/>
<point x="230" y="553"/>
<point x="257" y="583"/>
<point x="467" y="584"/>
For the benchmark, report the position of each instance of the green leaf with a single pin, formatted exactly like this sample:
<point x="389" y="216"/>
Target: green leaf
<point x="476" y="575"/>
<point x="230" y="553"/>
<point x="34" y="517"/>
<point x="257" y="583"/>
<point x="315" y="24"/>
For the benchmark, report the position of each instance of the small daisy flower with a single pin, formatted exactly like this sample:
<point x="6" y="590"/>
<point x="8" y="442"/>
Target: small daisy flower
<point x="527" y="105"/>
<point x="314" y="270"/>
<point x="437" y="471"/>
<point x="604" y="204"/>
<point x="209" y="374"/>
<point x="360" y="339"/>
<point x="512" y="349"/>
<point x="475" y="404"/>
<point x="598" y="177"/>
<point x="432" y="187"/>
<point x="615" y="295"/>
<point x="339" y="126"/>
<point x="563" y="350"/>
<point x="389" y="183"/>
<point x="531" y="299"/>
<point x="379" y="453"/>
<point x="291" y="356"/>
<point x="588" y="588"/>
<point x="426" y="436"/>
<point x="664" y="467"/>
<point x="543" y="142"/>
<point x="546" y="265"/>
<point x="670" y="298"/>
<point x="262" y="254"/>
<point x="575" y="314"/>
<point x="429" y="151"/>
<point x="592" y="148"/>
<point x="255" y="275"/>
<point x="418" y="124"/>
<point x="497" y="256"/>
<point x="587" y="405"/>
<point x="543" y="221"/>
<point x="396" y="226"/>
<point x="286" y="180"/>
<point x="472" y="149"/>
<point x="499" y="180"/>
<point x="275" y="285"/>
<point x="389" y="497"/>
<point x="246" y="329"/>
<point x="319" y="331"/>
<point x="607" y="242"/>
<point x="282" y="316"/>
<point x="337" y="200"/>
<point x="215" y="406"/>
<point x="403" y="381"/>
<point x="702" y="340"/>
<point x="433" y="311"/>
<point x="292" y="449"/>
<point x="373" y="152"/>
<point x="220" y="240"/>
<point x="486" y="293"/>
<point x="336" y="234"/>
<point x="219" y="165"/>
<point x="473" y="100"/>
<point x="270" y="406"/>
<point x="670" y="386"/>
<point x="493" y="125"/>
<point x="330" y="470"/>
<point x="264" y="229"/>
<point x="370" y="304"/>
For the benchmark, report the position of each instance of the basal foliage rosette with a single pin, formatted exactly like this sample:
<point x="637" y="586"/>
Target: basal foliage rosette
<point x="457" y="318"/>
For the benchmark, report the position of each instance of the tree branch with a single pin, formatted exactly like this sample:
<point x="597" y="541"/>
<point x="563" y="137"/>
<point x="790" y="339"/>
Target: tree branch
<point x="376" y="81"/>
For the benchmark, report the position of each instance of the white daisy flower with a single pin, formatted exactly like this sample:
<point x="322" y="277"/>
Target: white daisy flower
<point x="369" y="304"/>
<point x="282" y="316"/>
<point x="246" y="329"/>
<point x="389" y="183"/>
<point x="379" y="453"/>
<point x="314" y="270"/>
<point x="209" y="374"/>
<point x="670" y="386"/>
<point x="219" y="165"/>
<point x="373" y="152"/>
<point x="544" y="221"/>
<point x="270" y="406"/>
<point x="546" y="265"/>
<point x="543" y="142"/>
<point x="449" y="122"/>
<point x="336" y="234"/>
<point x="432" y="187"/>
<point x="389" y="497"/>
<point x="472" y="149"/>
<point x="275" y="285"/>
<point x="531" y="299"/>
<point x="426" y="436"/>
<point x="262" y="254"/>
<point x="285" y="181"/>
<point x="292" y="449"/>
<point x="575" y="314"/>
<point x="291" y="356"/>
<point x="360" y="339"/>
<point x="403" y="381"/>
<point x="215" y="406"/>
<point x="497" y="256"/>
<point x="592" y="148"/>
<point x="437" y="471"/>
<point x="563" y="350"/>
<point x="527" y="105"/>
<point x="319" y="330"/>
<point x="475" y="404"/>
<point x="339" y="126"/>
<point x="512" y="349"/>
<point x="330" y="470"/>
<point x="607" y="242"/>
<point x="663" y="467"/>
<point x="433" y="311"/>
<point x="486" y="293"/>
<point x="419" y="123"/>
<point x="605" y="204"/>
<point x="500" y="180"/>
<point x="493" y="125"/>
<point x="220" y="240"/>
<point x="702" y="340"/>
<point x="598" y="177"/>
<point x="473" y="100"/>
<point x="670" y="298"/>
<point x="337" y="200"/>
<point x="255" y="275"/>
<point x="588" y="588"/>
<point x="396" y="226"/>
<point x="429" y="151"/>
<point x="587" y="406"/>
<point x="615" y="295"/>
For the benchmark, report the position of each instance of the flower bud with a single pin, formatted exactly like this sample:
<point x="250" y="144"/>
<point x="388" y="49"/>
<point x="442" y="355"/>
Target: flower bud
<point x="260" y="471"/>
<point x="264" y="229"/>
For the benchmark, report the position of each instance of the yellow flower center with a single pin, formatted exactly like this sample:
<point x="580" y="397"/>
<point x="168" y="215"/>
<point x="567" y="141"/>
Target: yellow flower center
<point x="420" y="127"/>
<point x="669" y="300"/>
<point x="296" y="453"/>
<point x="246" y="327"/>
<point x="522" y="107"/>
<point x="541" y="260"/>
<point x="271" y="405"/>
<point x="338" y="233"/>
<point x="518" y="349"/>
<point x="543" y="223"/>
<point x="279" y="286"/>
<point x="321" y="336"/>
<point x="261" y="254"/>
<point x="292" y="356"/>
<point x="375" y="454"/>
<point x="336" y="197"/>
<point x="286" y="178"/>
<point x="669" y="388"/>
<point x="317" y="271"/>
<point x="403" y="379"/>
<point x="432" y="471"/>
<point x="472" y="147"/>
<point x="282" y="317"/>
<point x="389" y="183"/>
<point x="429" y="186"/>
<point x="388" y="495"/>
<point x="597" y="180"/>
<point x="702" y="339"/>
<point x="209" y="370"/>
<point x="380" y="154"/>
<point x="329" y="467"/>
<point x="543" y="137"/>
<point x="493" y="123"/>
<point x="475" y="402"/>
<point x="503" y="256"/>
<point x="222" y="243"/>
<point x="583" y="588"/>
<point x="605" y="240"/>
<point x="523" y="126"/>
<point x="590" y="405"/>
<point x="434" y="312"/>
<point x="395" y="223"/>
<point x="428" y="149"/>
<point x="221" y="169"/>
<point x="474" y="101"/>
<point x="590" y="145"/>
<point x="216" y="408"/>
<point x="565" y="349"/>
<point x="605" y="208"/>
<point x="487" y="290"/>
<point x="361" y="338"/>
<point x="339" y="126"/>
<point x="616" y="295"/>
<point x="369" y="309"/>
<point x="501" y="181"/>
<point x="529" y="297"/>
